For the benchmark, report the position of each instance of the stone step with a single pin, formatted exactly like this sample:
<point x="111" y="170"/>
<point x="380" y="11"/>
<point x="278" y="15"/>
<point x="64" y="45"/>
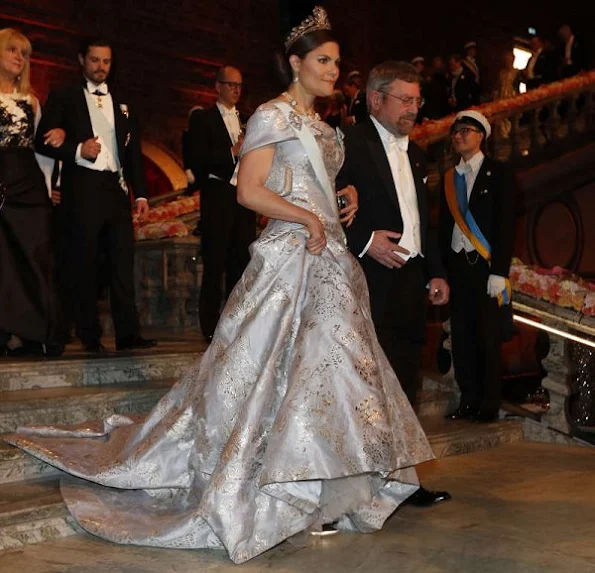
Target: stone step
<point x="76" y="405"/>
<point x="434" y="403"/>
<point x="74" y="371"/>
<point x="454" y="437"/>
<point x="16" y="465"/>
<point x="31" y="512"/>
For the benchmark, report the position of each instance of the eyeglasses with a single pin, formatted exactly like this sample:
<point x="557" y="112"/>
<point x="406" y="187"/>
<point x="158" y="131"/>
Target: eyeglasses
<point x="233" y="85"/>
<point x="463" y="131"/>
<point x="407" y="100"/>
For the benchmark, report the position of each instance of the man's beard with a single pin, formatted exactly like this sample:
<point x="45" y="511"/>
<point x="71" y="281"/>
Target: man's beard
<point x="403" y="127"/>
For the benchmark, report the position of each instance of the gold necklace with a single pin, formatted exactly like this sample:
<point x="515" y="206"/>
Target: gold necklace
<point x="298" y="108"/>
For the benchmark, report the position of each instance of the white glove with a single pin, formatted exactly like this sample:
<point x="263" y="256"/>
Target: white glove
<point x="496" y="284"/>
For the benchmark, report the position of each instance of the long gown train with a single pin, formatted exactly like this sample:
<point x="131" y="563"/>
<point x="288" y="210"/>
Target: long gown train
<point x="292" y="418"/>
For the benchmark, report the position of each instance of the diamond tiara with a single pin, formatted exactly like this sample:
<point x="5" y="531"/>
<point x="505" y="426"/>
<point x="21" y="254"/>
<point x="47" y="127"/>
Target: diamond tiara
<point x="317" y="21"/>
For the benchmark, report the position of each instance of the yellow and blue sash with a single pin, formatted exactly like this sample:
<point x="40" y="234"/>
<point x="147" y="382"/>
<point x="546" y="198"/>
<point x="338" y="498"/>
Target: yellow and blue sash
<point x="456" y="198"/>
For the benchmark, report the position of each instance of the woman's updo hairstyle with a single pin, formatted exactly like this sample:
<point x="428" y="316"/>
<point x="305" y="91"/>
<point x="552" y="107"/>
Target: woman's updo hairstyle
<point x="308" y="35"/>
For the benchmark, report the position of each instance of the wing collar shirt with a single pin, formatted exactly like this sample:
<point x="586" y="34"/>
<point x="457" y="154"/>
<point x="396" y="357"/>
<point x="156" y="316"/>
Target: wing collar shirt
<point x="101" y="112"/>
<point x="396" y="153"/>
<point x="232" y="123"/>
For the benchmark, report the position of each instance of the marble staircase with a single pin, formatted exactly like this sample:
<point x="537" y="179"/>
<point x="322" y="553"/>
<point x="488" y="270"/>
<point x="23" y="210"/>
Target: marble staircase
<point x="75" y="388"/>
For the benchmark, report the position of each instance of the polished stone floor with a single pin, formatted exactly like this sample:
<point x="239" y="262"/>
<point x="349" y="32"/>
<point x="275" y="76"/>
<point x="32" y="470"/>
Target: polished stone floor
<point x="169" y="340"/>
<point x="521" y="508"/>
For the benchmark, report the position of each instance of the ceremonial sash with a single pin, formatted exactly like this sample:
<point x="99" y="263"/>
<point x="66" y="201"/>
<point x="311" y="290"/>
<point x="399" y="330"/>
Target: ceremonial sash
<point x="313" y="152"/>
<point x="469" y="226"/>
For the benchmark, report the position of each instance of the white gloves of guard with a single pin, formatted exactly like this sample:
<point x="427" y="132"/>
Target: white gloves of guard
<point x="496" y="284"/>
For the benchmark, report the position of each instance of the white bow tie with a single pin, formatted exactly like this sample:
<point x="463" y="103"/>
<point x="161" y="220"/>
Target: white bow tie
<point x="230" y="113"/>
<point x="101" y="89"/>
<point x="399" y="142"/>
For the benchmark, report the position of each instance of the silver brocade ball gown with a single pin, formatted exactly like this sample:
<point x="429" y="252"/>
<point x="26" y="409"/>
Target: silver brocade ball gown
<point x="292" y="418"/>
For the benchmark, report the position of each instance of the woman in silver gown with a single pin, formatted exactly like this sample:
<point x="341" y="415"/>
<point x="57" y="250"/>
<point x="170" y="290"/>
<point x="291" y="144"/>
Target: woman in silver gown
<point x="293" y="418"/>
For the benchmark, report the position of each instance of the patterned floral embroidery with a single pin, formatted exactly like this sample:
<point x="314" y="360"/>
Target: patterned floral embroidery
<point x="17" y="122"/>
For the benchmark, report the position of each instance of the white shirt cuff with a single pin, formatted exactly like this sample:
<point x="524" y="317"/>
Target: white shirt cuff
<point x="141" y="199"/>
<point x="367" y="246"/>
<point x="77" y="155"/>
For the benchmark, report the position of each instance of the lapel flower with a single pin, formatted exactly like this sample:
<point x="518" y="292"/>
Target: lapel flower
<point x="124" y="109"/>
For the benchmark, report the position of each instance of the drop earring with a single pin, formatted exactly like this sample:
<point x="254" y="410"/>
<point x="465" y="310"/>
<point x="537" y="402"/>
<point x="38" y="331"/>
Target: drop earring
<point x="296" y="79"/>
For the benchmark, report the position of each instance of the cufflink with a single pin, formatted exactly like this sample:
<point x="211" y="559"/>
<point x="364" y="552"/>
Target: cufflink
<point x="484" y="192"/>
<point x="488" y="173"/>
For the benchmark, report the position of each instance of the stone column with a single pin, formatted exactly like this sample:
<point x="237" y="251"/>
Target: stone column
<point x="556" y="382"/>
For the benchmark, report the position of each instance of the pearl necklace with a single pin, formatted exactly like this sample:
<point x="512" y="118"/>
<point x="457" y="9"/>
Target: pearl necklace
<point x="298" y="108"/>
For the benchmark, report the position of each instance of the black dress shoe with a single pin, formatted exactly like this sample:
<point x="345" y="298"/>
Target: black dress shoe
<point x="135" y="342"/>
<point x="94" y="347"/>
<point x="425" y="498"/>
<point x="53" y="350"/>
<point x="485" y="416"/>
<point x="461" y="413"/>
<point x="27" y="349"/>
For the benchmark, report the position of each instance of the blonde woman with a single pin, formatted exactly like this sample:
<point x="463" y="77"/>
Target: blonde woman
<point x="27" y="307"/>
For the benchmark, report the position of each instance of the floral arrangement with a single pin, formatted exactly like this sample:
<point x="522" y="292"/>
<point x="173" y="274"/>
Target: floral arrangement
<point x="162" y="222"/>
<point x="556" y="285"/>
<point x="160" y="230"/>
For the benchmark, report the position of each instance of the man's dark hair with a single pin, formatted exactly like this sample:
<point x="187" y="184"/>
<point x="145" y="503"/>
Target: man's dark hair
<point x="95" y="41"/>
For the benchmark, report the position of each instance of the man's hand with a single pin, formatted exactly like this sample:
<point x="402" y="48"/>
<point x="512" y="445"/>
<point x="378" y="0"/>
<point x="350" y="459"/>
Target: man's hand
<point x="386" y="251"/>
<point x="347" y="214"/>
<point x="56" y="197"/>
<point x="237" y="146"/>
<point x="142" y="209"/>
<point x="496" y="284"/>
<point x="90" y="148"/>
<point x="54" y="137"/>
<point x="439" y="291"/>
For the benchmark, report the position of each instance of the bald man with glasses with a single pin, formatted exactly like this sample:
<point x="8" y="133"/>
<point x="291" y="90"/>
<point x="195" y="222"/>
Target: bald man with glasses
<point x="215" y="136"/>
